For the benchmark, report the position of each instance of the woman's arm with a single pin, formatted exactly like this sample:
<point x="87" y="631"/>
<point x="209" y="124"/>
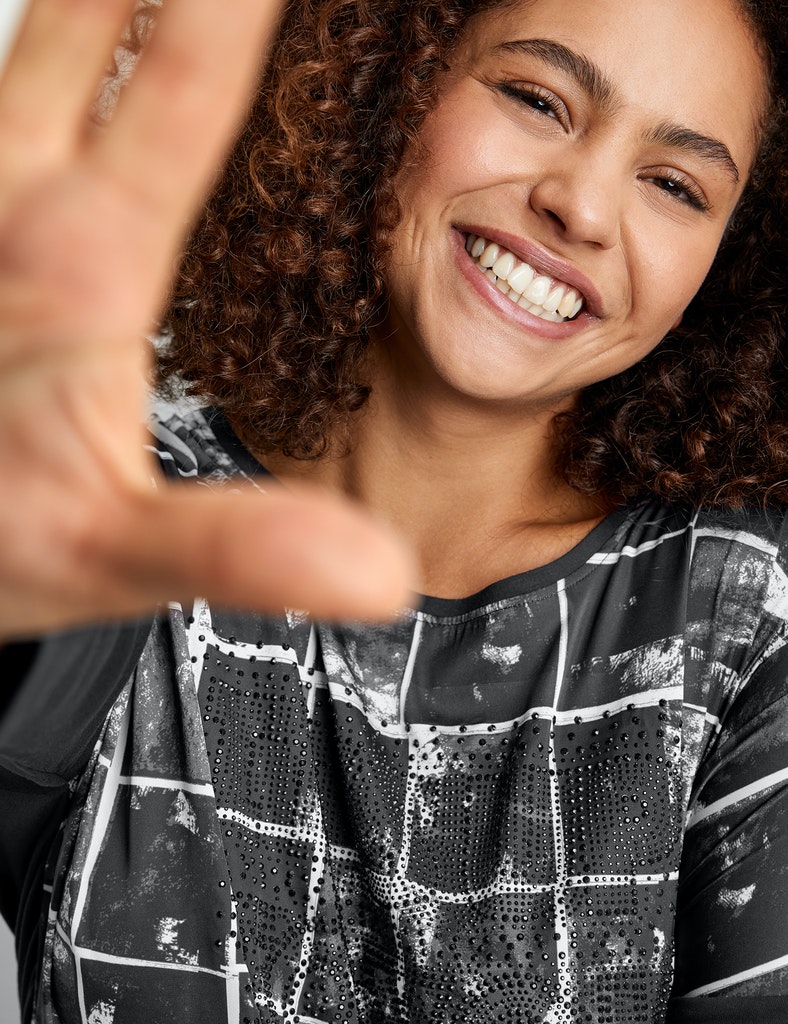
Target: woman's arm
<point x="732" y="914"/>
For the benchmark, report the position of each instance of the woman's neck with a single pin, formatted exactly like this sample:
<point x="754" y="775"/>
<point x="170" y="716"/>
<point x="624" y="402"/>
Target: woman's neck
<point x="472" y="488"/>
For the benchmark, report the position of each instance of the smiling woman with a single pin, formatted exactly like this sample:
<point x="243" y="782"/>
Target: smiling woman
<point x="558" y="98"/>
<point x="512" y="276"/>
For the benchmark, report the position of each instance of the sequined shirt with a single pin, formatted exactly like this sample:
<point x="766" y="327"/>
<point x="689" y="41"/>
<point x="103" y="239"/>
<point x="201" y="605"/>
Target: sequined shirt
<point x="515" y="807"/>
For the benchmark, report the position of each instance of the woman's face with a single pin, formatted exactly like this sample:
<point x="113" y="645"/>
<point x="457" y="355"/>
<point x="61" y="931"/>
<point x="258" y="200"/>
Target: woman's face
<point x="601" y="146"/>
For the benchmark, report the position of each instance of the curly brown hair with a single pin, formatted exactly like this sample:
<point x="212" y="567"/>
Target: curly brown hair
<point x="282" y="279"/>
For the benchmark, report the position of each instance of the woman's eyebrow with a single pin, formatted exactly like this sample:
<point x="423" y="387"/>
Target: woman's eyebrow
<point x="593" y="80"/>
<point x="688" y="141"/>
<point x="588" y="75"/>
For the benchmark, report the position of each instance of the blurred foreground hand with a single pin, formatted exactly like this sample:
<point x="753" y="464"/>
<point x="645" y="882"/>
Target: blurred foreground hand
<point x="90" y="228"/>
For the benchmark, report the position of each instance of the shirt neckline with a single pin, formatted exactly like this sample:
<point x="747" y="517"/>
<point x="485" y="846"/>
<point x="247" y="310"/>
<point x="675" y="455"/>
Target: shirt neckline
<point x="517" y="585"/>
<point x="523" y="583"/>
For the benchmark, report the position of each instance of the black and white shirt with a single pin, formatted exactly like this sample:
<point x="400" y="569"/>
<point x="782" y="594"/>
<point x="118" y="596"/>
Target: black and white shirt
<point x="516" y="807"/>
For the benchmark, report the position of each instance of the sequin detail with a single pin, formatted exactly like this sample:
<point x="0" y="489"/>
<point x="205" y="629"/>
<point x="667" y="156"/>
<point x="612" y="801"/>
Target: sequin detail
<point x="472" y="816"/>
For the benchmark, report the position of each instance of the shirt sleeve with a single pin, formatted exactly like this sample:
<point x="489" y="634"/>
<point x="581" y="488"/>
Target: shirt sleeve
<point x="56" y="694"/>
<point x="732" y="912"/>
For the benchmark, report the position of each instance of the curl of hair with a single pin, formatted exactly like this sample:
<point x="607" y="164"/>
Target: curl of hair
<point x="282" y="279"/>
<point x="283" y="276"/>
<point x="702" y="419"/>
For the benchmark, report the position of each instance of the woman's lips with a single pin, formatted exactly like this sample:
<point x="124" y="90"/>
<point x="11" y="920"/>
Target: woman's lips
<point x="552" y="328"/>
<point x="540" y="294"/>
<point x="542" y="262"/>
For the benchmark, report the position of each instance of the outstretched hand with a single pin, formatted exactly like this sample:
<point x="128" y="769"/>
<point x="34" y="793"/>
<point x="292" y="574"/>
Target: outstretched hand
<point x="90" y="227"/>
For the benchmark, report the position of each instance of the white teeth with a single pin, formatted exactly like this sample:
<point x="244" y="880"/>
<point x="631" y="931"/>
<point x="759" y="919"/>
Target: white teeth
<point x="504" y="265"/>
<point x="490" y="255"/>
<point x="538" y="294"/>
<point x="520" y="278"/>
<point x="538" y="290"/>
<point x="553" y="300"/>
<point x="567" y="303"/>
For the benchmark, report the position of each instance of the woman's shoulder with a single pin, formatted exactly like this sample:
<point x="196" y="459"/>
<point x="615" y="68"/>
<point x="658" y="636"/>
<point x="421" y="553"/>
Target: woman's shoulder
<point x="719" y="575"/>
<point x="744" y="534"/>
<point x="747" y="548"/>
<point x="195" y="441"/>
<point x="762" y="527"/>
<point x="737" y="600"/>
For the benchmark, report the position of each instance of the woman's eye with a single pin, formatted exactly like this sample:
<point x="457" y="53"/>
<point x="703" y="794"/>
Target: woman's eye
<point x="682" y="191"/>
<point x="532" y="97"/>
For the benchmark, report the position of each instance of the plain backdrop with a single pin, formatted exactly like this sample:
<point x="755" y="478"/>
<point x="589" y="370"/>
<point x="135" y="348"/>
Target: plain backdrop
<point x="9" y="1004"/>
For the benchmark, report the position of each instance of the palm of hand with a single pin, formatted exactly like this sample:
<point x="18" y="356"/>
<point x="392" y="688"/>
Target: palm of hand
<point x="90" y="225"/>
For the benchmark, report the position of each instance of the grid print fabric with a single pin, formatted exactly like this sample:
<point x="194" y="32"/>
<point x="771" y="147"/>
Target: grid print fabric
<point x="488" y="811"/>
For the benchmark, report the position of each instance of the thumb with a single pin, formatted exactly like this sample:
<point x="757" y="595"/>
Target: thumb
<point x="297" y="548"/>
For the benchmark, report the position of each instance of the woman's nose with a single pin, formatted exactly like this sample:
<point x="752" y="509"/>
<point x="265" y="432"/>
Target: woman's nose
<point x="582" y="199"/>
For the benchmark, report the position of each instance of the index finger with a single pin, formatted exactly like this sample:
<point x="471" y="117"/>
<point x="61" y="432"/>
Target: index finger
<point x="190" y="90"/>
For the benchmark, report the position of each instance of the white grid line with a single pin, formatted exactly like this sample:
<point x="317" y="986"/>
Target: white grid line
<point x="696" y="815"/>
<point x="232" y="984"/>
<point x="339" y="694"/>
<point x="308" y="939"/>
<point x="311" y="648"/>
<point x="629" y="551"/>
<point x="144" y="782"/>
<point x="237" y="648"/>
<point x="403" y="861"/>
<point x="400" y="882"/>
<point x="386" y="885"/>
<point x="693" y="538"/>
<point x="592" y="881"/>
<point x="404" y="893"/>
<point x="275" y="830"/>
<point x="710" y="719"/>
<point x="308" y="674"/>
<point x="559" y="904"/>
<point x="750" y="540"/>
<point x="165" y="436"/>
<point x="407" y="676"/>
<point x="752" y="972"/>
<point x="399" y="945"/>
<point x="589" y="713"/>
<point x="106" y="802"/>
<point x="95" y="955"/>
<point x="199" y="628"/>
<point x="295" y="833"/>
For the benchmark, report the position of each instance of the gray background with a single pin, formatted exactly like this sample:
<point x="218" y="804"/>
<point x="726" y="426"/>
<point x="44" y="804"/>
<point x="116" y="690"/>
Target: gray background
<point x="9" y="1005"/>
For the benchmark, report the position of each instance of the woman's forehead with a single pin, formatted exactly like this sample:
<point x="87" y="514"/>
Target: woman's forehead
<point x="697" y="62"/>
